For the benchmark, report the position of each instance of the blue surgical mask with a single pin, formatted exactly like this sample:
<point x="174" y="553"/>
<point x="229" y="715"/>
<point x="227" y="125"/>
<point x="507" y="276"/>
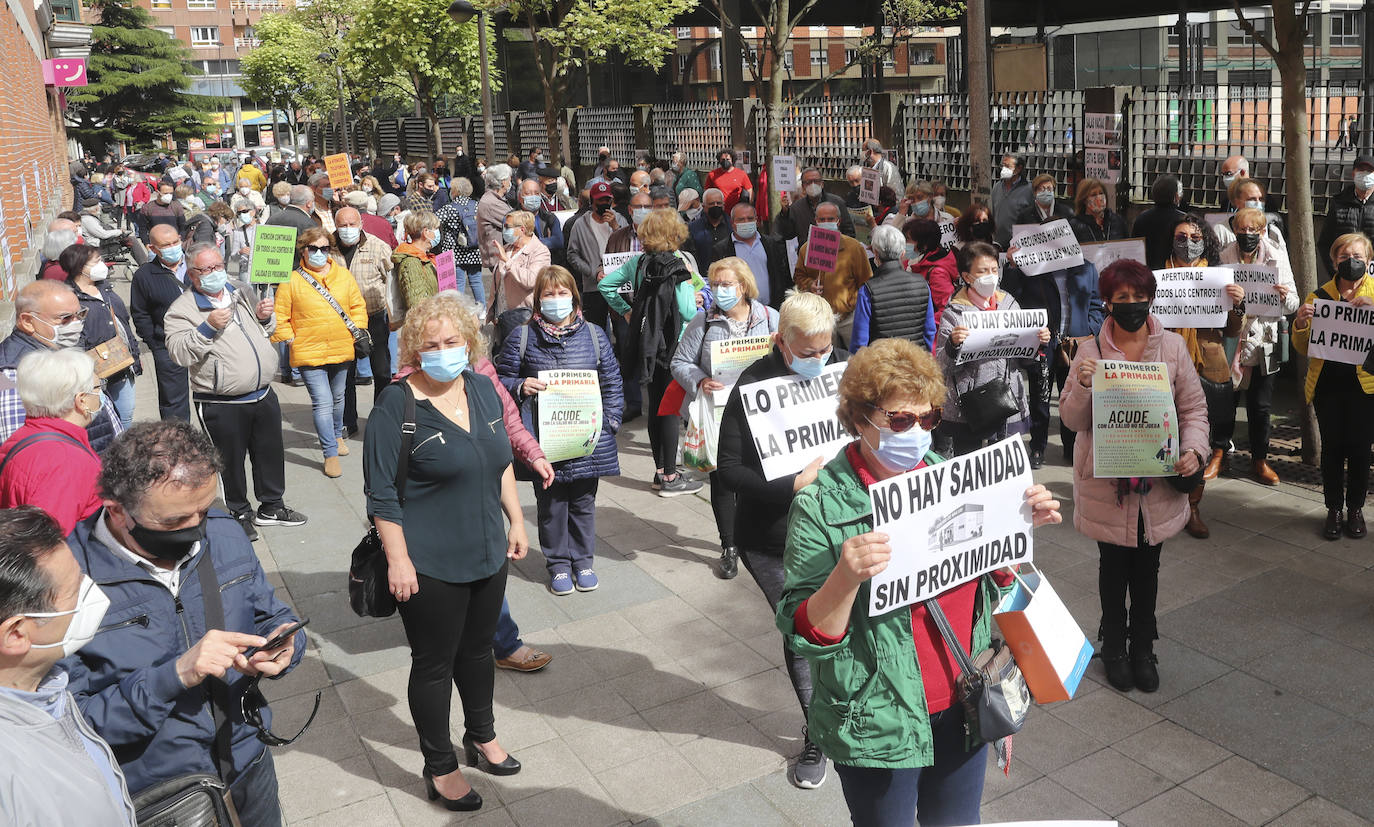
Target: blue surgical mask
<point x="922" y="208"/>
<point x="556" y="308"/>
<point x="809" y="367"/>
<point x="532" y="202"/>
<point x="746" y="229"/>
<point x="172" y="254"/>
<point x="434" y="242"/>
<point x="350" y="235"/>
<point x="910" y="250"/>
<point x="828" y="225"/>
<point x="444" y="365"/>
<point x="317" y="259"/>
<point x="639" y="214"/>
<point x="727" y="296"/>
<point x="213" y="282"/>
<point x="901" y="452"/>
<point x="508" y="235"/>
<point x="327" y="193"/>
<point x="1044" y="197"/>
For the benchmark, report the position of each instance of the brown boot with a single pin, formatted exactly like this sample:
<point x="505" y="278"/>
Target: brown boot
<point x="1263" y="474"/>
<point x="1196" y="527"/>
<point x="332" y="467"/>
<point x="1214" y="465"/>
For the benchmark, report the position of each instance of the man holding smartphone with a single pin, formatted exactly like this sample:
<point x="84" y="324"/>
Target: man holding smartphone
<point x="165" y="679"/>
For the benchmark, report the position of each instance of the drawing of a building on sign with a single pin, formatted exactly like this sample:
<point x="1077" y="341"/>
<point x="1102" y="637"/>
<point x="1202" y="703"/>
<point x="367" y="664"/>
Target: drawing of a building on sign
<point x="961" y="524"/>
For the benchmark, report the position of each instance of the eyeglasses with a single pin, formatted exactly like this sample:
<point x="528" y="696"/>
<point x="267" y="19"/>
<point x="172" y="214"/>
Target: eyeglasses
<point x="1182" y="237"/>
<point x="312" y="248"/>
<point x="900" y="421"/>
<point x="252" y="704"/>
<point x="68" y="318"/>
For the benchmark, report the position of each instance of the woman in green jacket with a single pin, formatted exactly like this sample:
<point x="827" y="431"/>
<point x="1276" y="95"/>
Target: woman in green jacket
<point x="883" y="705"/>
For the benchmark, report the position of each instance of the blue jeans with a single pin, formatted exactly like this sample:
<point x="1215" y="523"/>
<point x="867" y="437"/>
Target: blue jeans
<point x="255" y="794"/>
<point x="948" y="792"/>
<point x="284" y="358"/>
<point x="121" y="393"/>
<point x="507" y="637"/>
<point x="326" y="385"/>
<point x="479" y="292"/>
<point x="393" y="343"/>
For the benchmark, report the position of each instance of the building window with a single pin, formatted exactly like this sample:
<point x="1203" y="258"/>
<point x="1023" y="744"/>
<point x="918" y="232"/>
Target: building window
<point x="748" y="31"/>
<point x="684" y="32"/>
<point x="1345" y="28"/>
<point x="787" y="60"/>
<point x="714" y="53"/>
<point x="851" y="56"/>
<point x="167" y="30"/>
<point x="1207" y="30"/>
<point x="682" y="66"/>
<point x="161" y="5"/>
<point x="751" y="57"/>
<point x="920" y="54"/>
<point x="889" y="61"/>
<point x="200" y="5"/>
<point x="818" y="56"/>
<point x="1237" y="36"/>
<point x="205" y="36"/>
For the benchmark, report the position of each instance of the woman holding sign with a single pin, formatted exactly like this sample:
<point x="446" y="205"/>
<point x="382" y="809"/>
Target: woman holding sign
<point x="736" y="313"/>
<point x="557" y="338"/>
<point x="987" y="397"/>
<point x="1343" y="394"/>
<point x="1131" y="517"/>
<point x="883" y="704"/>
<point x="1258" y="354"/>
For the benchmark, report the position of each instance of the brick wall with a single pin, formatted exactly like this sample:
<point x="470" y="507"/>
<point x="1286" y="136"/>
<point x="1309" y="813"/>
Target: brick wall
<point x="33" y="153"/>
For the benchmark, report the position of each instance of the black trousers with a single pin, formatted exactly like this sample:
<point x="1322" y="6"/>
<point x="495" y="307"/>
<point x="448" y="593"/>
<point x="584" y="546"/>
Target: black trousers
<point x="380" y="361"/>
<point x="1259" y="398"/>
<point x="449" y="627"/>
<point x="724" y="504"/>
<point x="767" y="571"/>
<point x="1134" y="570"/>
<point x="173" y="387"/>
<point x="663" y="430"/>
<point x="253" y="431"/>
<point x="594" y="307"/>
<point x="1039" y="400"/>
<point x="1221" y="412"/>
<point x="1346" y="422"/>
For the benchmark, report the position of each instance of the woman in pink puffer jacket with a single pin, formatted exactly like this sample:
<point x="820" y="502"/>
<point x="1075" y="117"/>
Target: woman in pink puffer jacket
<point x="1131" y="518"/>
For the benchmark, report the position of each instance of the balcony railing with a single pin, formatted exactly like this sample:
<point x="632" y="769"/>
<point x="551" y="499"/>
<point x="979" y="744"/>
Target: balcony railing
<point x="260" y="5"/>
<point x="247" y="42"/>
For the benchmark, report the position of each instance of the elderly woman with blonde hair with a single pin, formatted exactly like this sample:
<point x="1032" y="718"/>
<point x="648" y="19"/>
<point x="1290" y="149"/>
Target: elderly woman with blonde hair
<point x="447" y="546"/>
<point x="520" y="257"/>
<point x="883" y="704"/>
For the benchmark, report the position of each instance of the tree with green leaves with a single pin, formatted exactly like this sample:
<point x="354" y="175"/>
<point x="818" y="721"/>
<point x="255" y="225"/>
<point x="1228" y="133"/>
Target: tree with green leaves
<point x="567" y="33"/>
<point x="283" y="70"/>
<point x="137" y="82"/>
<point x="413" y="45"/>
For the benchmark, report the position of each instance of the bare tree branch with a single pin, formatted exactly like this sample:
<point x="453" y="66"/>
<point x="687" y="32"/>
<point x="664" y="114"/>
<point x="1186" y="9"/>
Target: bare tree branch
<point x="1254" y="34"/>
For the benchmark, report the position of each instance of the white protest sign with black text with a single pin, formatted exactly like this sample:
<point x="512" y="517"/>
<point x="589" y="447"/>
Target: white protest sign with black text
<point x="1260" y="281"/>
<point x="1341" y="332"/>
<point x="793" y="420"/>
<point x="1047" y="247"/>
<point x="785" y="173"/>
<point x="1103" y="253"/>
<point x="950" y="523"/>
<point x="1192" y="296"/>
<point x="1002" y="334"/>
<point x="869" y="184"/>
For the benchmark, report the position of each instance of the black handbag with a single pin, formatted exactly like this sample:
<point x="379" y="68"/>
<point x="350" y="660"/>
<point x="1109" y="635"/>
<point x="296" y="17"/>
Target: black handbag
<point x="986" y="407"/>
<point x="990" y="687"/>
<point x="369" y="590"/>
<point x="362" y="340"/>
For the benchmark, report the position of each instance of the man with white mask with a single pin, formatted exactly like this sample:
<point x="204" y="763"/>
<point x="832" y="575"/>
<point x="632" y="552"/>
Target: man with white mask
<point x="1351" y="210"/>
<point x="51" y="760"/>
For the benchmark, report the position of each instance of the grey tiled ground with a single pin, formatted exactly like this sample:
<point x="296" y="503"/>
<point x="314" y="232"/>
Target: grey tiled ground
<point x="666" y="702"/>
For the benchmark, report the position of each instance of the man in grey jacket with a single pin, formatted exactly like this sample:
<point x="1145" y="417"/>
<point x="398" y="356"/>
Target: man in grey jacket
<point x="53" y="766"/>
<point x="219" y="331"/>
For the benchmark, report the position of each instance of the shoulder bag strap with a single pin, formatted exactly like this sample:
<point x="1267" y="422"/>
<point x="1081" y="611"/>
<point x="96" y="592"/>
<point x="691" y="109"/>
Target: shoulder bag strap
<point x="407" y="437"/>
<point x="319" y="288"/>
<point x="31" y="439"/>
<point x="938" y="615"/>
<point x="216" y="688"/>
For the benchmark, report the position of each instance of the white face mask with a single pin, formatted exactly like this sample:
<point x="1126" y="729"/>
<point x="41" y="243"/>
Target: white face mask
<point x="67" y="335"/>
<point x="99" y="271"/>
<point x="165" y="198"/>
<point x="1007" y="173"/>
<point x="813" y="190"/>
<point x="244" y="191"/>
<point x="939" y="202"/>
<point x="91" y="605"/>
<point x="986" y="285"/>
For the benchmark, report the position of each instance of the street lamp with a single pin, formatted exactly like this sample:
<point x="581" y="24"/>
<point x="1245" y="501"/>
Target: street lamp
<point x="461" y="11"/>
<point x="326" y="58"/>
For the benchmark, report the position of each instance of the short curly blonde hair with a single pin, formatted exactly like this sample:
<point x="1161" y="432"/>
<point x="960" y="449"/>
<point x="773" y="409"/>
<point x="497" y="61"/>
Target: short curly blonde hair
<point x="743" y="275"/>
<point x="885" y="370"/>
<point x="523" y="220"/>
<point x="445" y="305"/>
<point x="662" y="231"/>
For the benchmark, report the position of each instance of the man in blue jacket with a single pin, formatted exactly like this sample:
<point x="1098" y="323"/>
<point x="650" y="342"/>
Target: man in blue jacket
<point x="157" y="681"/>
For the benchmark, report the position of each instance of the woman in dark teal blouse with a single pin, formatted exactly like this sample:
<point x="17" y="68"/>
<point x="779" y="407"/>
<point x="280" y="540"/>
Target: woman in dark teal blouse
<point x="447" y="546"/>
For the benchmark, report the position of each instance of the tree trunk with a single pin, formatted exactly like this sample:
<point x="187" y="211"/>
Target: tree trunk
<point x="781" y="34"/>
<point x="556" y="93"/>
<point x="1302" y="244"/>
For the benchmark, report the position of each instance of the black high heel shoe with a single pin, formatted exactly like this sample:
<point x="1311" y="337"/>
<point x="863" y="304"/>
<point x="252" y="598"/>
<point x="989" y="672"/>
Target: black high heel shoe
<point x="476" y="759"/>
<point x="471" y="801"/>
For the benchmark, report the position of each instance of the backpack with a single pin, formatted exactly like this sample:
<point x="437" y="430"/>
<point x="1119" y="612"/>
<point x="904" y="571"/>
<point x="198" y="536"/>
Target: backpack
<point x="655" y="321"/>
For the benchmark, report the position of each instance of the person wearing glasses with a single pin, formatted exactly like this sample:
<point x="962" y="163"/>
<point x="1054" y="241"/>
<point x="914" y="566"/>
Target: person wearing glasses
<point x="321" y="342"/>
<point x="981" y="275"/>
<point x="159" y="679"/>
<point x="883" y="706"/>
<point x="107" y="319"/>
<point x="47" y="316"/>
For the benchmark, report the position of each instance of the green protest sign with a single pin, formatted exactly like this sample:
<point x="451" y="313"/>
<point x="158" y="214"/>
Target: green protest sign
<point x="274" y="254"/>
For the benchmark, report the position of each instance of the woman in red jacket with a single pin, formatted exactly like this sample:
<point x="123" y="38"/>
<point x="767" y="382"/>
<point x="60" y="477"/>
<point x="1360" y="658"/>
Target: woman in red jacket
<point x="928" y="259"/>
<point x="49" y="461"/>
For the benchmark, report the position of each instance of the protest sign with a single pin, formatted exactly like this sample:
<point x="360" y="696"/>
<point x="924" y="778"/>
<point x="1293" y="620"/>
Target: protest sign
<point x="274" y="254"/>
<point x="861" y="217"/>
<point x="1102" y="253"/>
<point x="822" y="249"/>
<point x="947" y="237"/>
<point x="785" y="173"/>
<point x="1002" y="334"/>
<point x="950" y="523"/>
<point x="340" y="175"/>
<point x="1259" y="280"/>
<point x="869" y="183"/>
<point x="569" y="418"/>
<point x="793" y="420"/>
<point x="1047" y="247"/>
<point x="610" y="262"/>
<point x="446" y="270"/>
<point x="1341" y="332"/>
<point x="1192" y="296"/>
<point x="729" y="358"/>
<point x="1102" y="147"/>
<point x="1135" y="424"/>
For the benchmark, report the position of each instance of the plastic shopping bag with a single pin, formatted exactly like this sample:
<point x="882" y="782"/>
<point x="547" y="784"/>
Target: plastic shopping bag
<point x="702" y="433"/>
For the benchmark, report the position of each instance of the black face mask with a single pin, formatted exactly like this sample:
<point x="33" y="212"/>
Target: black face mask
<point x="172" y="545"/>
<point x="1352" y="270"/>
<point x="1247" y="242"/>
<point x="1130" y="316"/>
<point x="551" y="189"/>
<point x="726" y="163"/>
<point x="715" y="212"/>
<point x="982" y="230"/>
<point x="602" y="208"/>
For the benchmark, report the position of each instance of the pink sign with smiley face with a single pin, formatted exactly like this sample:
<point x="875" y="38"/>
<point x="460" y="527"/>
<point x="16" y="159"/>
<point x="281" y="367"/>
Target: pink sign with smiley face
<point x="65" y="71"/>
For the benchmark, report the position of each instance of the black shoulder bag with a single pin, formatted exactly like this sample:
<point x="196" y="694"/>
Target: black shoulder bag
<point x="369" y="590"/>
<point x="362" y="340"/>
<point x="990" y="687"/>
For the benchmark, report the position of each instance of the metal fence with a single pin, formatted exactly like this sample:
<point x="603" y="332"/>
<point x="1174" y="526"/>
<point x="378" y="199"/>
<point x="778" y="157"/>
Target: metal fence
<point x="610" y="126"/>
<point x="826" y="132"/>
<point x="699" y="130"/>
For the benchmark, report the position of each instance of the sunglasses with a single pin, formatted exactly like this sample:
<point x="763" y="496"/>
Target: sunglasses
<point x="1187" y="238"/>
<point x="900" y="421"/>
<point x="252" y="703"/>
<point x="68" y="318"/>
<point x="312" y="248"/>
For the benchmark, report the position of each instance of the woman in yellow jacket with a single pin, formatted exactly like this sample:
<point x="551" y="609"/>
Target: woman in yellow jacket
<point x="1343" y="394"/>
<point x="321" y="344"/>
